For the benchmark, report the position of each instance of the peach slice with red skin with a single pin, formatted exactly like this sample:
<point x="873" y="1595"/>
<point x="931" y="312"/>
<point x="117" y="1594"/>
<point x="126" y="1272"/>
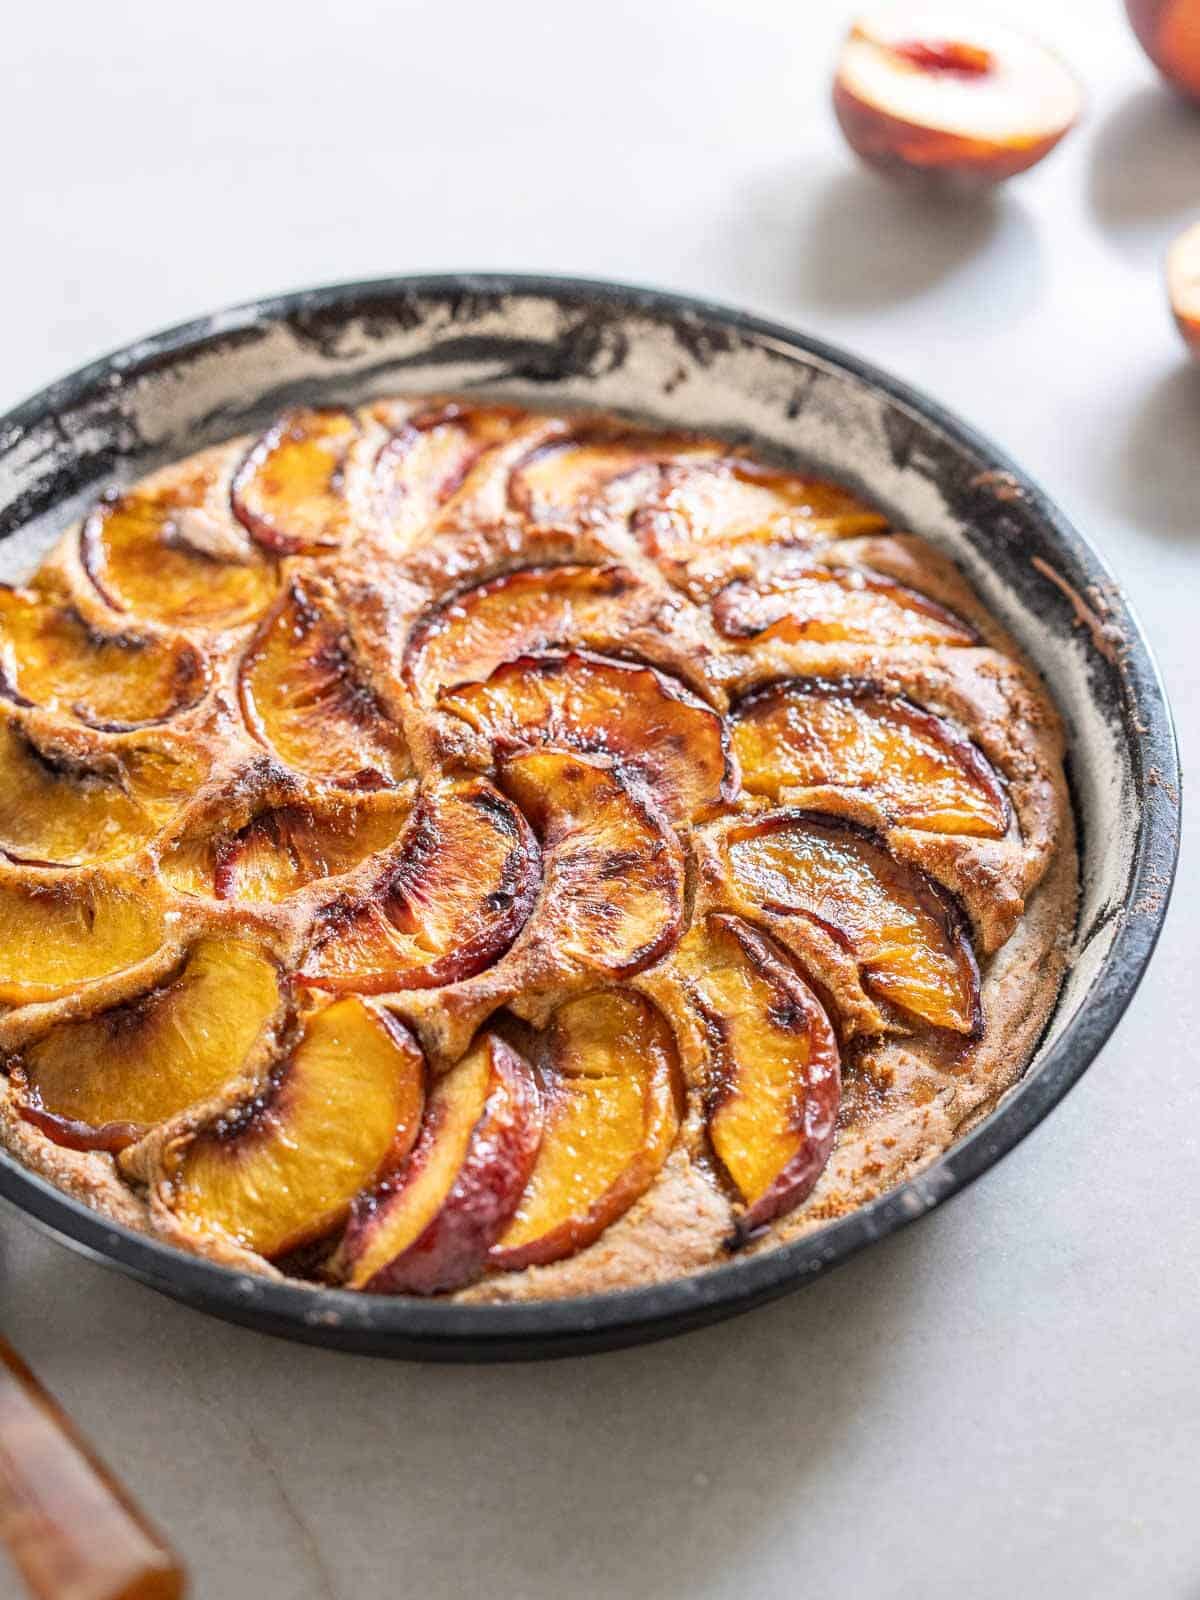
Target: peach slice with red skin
<point x="1183" y="271"/>
<point x="71" y="802"/>
<point x="612" y="903"/>
<point x="285" y="845"/>
<point x="464" y="882"/>
<point x="61" y="933"/>
<point x="429" y="1228"/>
<point x="290" y="492"/>
<point x="526" y="612"/>
<point x="104" y="1082"/>
<point x="51" y="657"/>
<point x="307" y="696"/>
<point x="723" y="504"/>
<point x="1169" y="32"/>
<point x="807" y="733"/>
<point x="561" y="475"/>
<point x="612" y="1095"/>
<point x="835" y="605"/>
<point x="919" y="94"/>
<point x="658" y="733"/>
<point x="774" y="1078"/>
<point x="281" y="1168"/>
<point x="164" y="556"/>
<point x="425" y="463"/>
<point x="906" y="934"/>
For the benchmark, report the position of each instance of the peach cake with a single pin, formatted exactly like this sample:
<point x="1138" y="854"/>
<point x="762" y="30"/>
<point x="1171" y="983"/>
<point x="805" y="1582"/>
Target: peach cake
<point x="450" y="849"/>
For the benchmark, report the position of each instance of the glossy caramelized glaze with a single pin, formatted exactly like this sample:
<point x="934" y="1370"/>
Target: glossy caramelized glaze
<point x="448" y="849"/>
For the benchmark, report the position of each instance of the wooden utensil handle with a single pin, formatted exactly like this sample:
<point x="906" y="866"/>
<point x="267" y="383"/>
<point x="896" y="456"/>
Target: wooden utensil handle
<point x="72" y="1531"/>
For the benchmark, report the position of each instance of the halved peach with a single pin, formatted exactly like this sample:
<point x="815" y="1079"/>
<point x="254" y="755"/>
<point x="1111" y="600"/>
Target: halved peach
<point x="51" y="657"/>
<point x="306" y="695"/>
<point x="164" y="556"/>
<point x="723" y="504"/>
<point x="774" y="1076"/>
<point x="290" y="491"/>
<point x="614" y="872"/>
<point x="828" y="605"/>
<point x="1169" y="32"/>
<point x="104" y="1082"/>
<point x="1183" y="271"/>
<point x="285" y="845"/>
<point x="281" y="1168"/>
<point x="658" y="733"/>
<point x="422" y="465"/>
<point x="557" y="478"/>
<point x="521" y="613"/>
<point x="922" y="90"/>
<point x="908" y="937"/>
<point x="463" y="883"/>
<point x="921" y="772"/>
<point x="430" y="1227"/>
<point x="59" y="934"/>
<point x="613" y="1096"/>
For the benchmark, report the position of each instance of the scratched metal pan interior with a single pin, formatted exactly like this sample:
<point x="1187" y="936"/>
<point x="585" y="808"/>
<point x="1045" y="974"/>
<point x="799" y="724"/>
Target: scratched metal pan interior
<point x="659" y="356"/>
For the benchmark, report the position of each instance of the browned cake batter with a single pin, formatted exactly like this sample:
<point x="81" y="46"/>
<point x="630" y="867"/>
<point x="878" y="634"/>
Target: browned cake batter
<point x="448" y="849"/>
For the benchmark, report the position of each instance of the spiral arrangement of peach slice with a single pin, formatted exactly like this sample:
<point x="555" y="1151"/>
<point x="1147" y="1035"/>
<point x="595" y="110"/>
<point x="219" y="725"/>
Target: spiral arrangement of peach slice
<point x="420" y="823"/>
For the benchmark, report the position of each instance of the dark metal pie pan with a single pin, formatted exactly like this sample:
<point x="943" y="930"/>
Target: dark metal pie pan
<point x="569" y="342"/>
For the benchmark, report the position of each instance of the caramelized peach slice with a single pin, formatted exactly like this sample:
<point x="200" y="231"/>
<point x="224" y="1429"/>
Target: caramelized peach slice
<point x="659" y="734"/>
<point x="60" y="807"/>
<point x="104" y="1082"/>
<point x="59" y="934"/>
<point x="522" y="613"/>
<point x="464" y="882"/>
<point x="306" y="695"/>
<point x="729" y="503"/>
<point x="905" y="933"/>
<point x="806" y="733"/>
<point x="614" y="875"/>
<point x="835" y="605"/>
<point x="290" y="491"/>
<point x="49" y="656"/>
<point x="612" y="1095"/>
<point x="171" y="560"/>
<point x="285" y="846"/>
<point x="774" y="1082"/>
<point x="423" y="465"/>
<point x="282" y="1168"/>
<point x="559" y="477"/>
<point x="431" y="1226"/>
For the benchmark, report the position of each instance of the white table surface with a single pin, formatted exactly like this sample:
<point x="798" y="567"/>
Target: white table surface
<point x="1004" y="1400"/>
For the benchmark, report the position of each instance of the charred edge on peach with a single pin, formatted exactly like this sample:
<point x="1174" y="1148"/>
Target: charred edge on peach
<point x="615" y="581"/>
<point x="514" y="897"/>
<point x="467" y="417"/>
<point x="550" y="664"/>
<point x="290" y="422"/>
<point x="73" y="1134"/>
<point x="598" y="433"/>
<point x="849" y="577"/>
<point x="795" y="1015"/>
<point x="945" y="905"/>
<point x="863" y="691"/>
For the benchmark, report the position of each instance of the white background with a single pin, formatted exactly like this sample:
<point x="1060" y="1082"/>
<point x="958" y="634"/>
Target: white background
<point x="1002" y="1402"/>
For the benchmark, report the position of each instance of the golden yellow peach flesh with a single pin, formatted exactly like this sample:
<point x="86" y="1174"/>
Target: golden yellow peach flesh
<point x="106" y="1080"/>
<point x="921" y="773"/>
<point x="51" y="657"/>
<point x="907" y="936"/>
<point x="58" y="934"/>
<point x="282" y="1167"/>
